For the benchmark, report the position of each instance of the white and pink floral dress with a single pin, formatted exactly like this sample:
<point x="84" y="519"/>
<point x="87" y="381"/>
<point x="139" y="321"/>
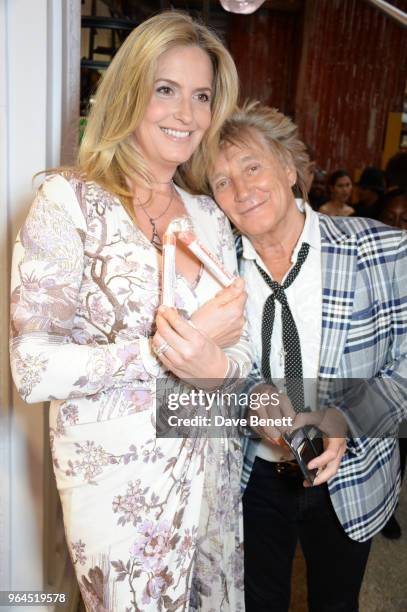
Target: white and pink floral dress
<point x="151" y="524"/>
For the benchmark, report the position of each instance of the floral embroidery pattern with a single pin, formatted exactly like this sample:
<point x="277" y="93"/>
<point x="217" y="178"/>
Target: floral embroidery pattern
<point x="208" y="204"/>
<point x="94" y="458"/>
<point x="78" y="552"/>
<point x="67" y="415"/>
<point x="131" y="503"/>
<point x="30" y="369"/>
<point x="148" y="560"/>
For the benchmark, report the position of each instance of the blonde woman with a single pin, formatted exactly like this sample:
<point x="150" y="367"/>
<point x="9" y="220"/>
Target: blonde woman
<point x="151" y="524"/>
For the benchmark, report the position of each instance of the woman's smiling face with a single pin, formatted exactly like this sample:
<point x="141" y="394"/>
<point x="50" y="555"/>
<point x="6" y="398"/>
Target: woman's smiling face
<point x="179" y="111"/>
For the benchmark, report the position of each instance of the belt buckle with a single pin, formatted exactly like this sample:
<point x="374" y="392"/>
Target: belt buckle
<point x="288" y="468"/>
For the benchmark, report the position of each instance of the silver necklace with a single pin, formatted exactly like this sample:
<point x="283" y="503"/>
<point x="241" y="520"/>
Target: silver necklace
<point x="155" y="238"/>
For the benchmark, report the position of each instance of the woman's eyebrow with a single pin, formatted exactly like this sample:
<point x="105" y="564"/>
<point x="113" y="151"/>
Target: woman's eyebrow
<point x="176" y="84"/>
<point x="170" y="81"/>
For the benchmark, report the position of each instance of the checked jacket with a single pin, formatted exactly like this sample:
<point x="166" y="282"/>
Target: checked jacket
<point x="364" y="336"/>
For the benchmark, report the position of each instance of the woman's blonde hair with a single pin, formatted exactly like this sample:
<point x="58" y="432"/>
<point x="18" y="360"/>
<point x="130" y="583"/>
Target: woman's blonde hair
<point x="278" y="131"/>
<point x="108" y="153"/>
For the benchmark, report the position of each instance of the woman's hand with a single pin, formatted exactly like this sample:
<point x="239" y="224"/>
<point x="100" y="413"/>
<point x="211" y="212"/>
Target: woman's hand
<point x="186" y="351"/>
<point x="222" y="317"/>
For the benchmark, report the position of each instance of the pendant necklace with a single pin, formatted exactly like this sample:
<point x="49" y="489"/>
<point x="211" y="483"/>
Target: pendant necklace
<point x="155" y="238"/>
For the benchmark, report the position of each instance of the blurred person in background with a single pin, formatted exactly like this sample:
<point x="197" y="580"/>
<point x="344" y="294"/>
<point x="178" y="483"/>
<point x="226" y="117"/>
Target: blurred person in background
<point x="317" y="195"/>
<point x="340" y="187"/>
<point x="394" y="209"/>
<point x="396" y="172"/>
<point x="315" y="181"/>
<point x="371" y="187"/>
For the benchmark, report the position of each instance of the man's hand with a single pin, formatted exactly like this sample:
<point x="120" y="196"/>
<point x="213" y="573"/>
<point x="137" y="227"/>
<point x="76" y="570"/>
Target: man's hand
<point x="328" y="462"/>
<point x="332" y="423"/>
<point x="329" y="421"/>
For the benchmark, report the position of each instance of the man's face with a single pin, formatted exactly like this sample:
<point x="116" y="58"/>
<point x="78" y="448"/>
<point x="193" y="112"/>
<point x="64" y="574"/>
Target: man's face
<point x="395" y="212"/>
<point x="253" y="187"/>
<point x="318" y="187"/>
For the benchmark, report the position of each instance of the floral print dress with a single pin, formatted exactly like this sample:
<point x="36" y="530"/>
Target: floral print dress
<point x="151" y="523"/>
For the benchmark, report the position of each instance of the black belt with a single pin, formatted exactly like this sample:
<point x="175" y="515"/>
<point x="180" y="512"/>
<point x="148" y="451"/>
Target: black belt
<point x="283" y="469"/>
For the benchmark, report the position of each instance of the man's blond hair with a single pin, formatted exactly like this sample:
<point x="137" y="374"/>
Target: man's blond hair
<point x="277" y="131"/>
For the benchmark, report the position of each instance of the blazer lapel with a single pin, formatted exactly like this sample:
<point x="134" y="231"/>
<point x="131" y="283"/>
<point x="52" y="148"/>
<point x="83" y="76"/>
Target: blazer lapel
<point x="338" y="262"/>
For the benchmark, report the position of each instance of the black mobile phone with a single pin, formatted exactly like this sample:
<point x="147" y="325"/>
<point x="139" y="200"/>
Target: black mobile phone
<point x="305" y="443"/>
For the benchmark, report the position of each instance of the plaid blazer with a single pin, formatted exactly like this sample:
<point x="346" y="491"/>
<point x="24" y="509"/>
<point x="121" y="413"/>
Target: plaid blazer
<point x="364" y="336"/>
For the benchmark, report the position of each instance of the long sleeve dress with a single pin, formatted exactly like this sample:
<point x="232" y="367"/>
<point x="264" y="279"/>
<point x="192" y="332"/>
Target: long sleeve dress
<point x="151" y="523"/>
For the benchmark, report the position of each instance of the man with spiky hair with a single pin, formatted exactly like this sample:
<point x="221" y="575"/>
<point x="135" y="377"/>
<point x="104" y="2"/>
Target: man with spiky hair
<point x="327" y="302"/>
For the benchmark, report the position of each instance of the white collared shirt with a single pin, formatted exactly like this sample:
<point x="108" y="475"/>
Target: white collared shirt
<point x="304" y="298"/>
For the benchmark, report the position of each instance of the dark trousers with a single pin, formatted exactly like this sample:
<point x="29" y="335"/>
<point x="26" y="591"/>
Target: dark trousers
<point x="279" y="511"/>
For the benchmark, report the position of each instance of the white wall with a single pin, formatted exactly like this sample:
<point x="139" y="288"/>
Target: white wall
<point x="39" y="87"/>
